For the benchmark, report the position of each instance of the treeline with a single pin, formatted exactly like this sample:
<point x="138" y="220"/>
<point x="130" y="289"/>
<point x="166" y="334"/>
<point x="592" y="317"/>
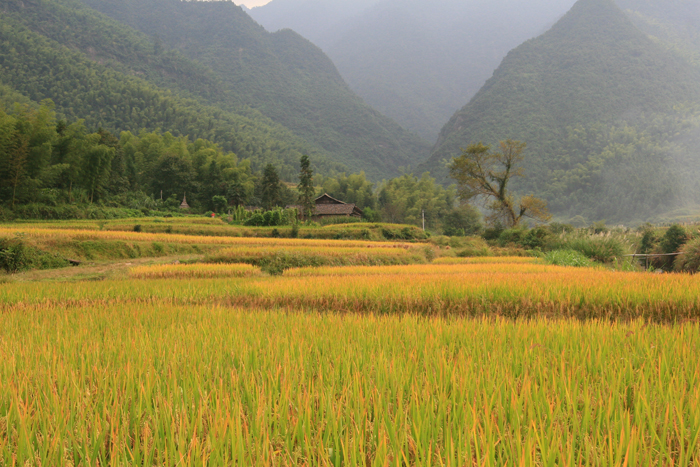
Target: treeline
<point x="45" y="162"/>
<point x="55" y="162"/>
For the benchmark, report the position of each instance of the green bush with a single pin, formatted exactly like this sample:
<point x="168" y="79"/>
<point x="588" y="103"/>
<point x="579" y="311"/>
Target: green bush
<point x="601" y="249"/>
<point x="17" y="256"/>
<point x="474" y="247"/>
<point x="689" y="259"/>
<point x="462" y="221"/>
<point x="674" y="238"/>
<point x="538" y="238"/>
<point x="14" y="255"/>
<point x="570" y="258"/>
<point x="514" y="236"/>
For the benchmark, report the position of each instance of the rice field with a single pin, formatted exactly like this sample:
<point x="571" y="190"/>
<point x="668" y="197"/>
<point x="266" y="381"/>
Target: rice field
<point x="51" y="233"/>
<point x="508" y="290"/>
<point x="459" y="362"/>
<point x="193" y="271"/>
<point x="170" y="385"/>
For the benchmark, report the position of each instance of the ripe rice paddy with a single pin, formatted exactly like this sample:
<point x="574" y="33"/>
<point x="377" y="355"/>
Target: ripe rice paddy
<point x="469" y="362"/>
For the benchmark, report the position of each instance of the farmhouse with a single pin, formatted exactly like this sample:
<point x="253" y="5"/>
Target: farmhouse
<point x="327" y="206"/>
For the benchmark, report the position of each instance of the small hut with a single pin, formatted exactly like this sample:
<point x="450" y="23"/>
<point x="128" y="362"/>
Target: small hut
<point x="184" y="204"/>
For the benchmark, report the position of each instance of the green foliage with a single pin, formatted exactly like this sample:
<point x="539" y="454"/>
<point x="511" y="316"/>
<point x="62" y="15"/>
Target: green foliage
<point x="272" y="218"/>
<point x="404" y="199"/>
<point x="353" y="188"/>
<point x="404" y="233"/>
<point x="271" y="189"/>
<point x="281" y="75"/>
<point x="675" y="237"/>
<point x="474" y="247"/>
<point x="220" y="203"/>
<point x="72" y="211"/>
<point x="612" y="136"/>
<point x="601" y="249"/>
<point x="689" y="260"/>
<point x="16" y="256"/>
<point x="306" y="187"/>
<point x="572" y="258"/>
<point x="649" y="242"/>
<point x="462" y="221"/>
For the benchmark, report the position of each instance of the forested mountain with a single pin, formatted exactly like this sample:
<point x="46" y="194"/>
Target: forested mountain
<point x="281" y="75"/>
<point x="611" y="117"/>
<point x="675" y="23"/>
<point x="413" y="60"/>
<point x="117" y="79"/>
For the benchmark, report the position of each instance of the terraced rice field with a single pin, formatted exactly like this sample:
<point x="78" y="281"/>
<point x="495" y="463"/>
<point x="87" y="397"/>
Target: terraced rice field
<point x="479" y="363"/>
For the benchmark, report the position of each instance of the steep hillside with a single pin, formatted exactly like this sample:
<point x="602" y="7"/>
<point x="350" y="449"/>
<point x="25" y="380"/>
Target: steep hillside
<point x="282" y="75"/>
<point x="415" y="61"/>
<point x="609" y="116"/>
<point x="674" y="22"/>
<point x="115" y="78"/>
<point x="320" y="21"/>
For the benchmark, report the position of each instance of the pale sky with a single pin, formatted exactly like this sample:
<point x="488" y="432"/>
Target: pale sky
<point x="253" y="3"/>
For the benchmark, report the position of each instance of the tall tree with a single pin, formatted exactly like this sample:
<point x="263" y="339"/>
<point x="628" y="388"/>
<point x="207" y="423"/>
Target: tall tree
<point x="306" y="187"/>
<point x="483" y="174"/>
<point x="270" y="187"/>
<point x="17" y="166"/>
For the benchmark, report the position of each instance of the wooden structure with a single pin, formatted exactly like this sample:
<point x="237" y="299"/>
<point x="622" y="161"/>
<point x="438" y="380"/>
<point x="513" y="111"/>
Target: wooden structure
<point x="327" y="206"/>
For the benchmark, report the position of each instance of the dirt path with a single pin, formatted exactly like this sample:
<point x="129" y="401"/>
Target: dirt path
<point x="94" y="270"/>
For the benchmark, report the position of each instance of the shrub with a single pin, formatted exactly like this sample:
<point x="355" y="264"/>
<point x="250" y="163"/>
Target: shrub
<point x="689" y="259"/>
<point x="462" y="221"/>
<point x="675" y="237"/>
<point x="538" y="238"/>
<point x="14" y="256"/>
<point x="256" y="220"/>
<point x="559" y="228"/>
<point x="648" y="243"/>
<point x="512" y="236"/>
<point x="570" y="258"/>
<point x="475" y="247"/>
<point x="601" y="249"/>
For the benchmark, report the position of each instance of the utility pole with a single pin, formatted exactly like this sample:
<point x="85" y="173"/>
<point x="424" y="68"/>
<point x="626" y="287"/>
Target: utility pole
<point x="423" y="214"/>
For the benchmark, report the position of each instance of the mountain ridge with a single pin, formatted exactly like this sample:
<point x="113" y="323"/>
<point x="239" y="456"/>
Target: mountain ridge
<point x="282" y="75"/>
<point x="592" y="72"/>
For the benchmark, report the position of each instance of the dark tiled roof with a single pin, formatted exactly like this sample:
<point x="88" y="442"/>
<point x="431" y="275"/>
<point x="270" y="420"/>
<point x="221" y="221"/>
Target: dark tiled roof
<point x="325" y="198"/>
